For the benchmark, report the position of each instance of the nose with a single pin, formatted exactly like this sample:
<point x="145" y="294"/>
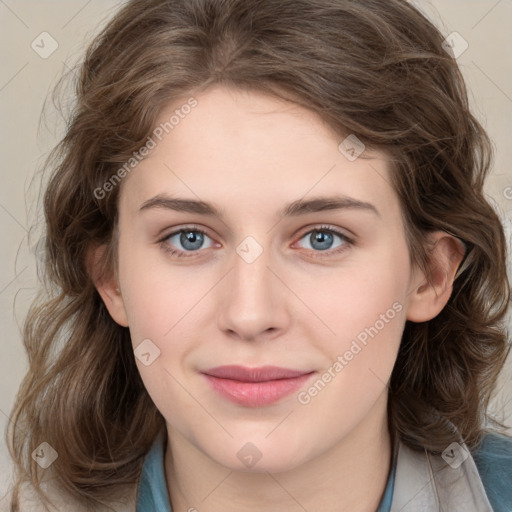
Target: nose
<point x="253" y="301"/>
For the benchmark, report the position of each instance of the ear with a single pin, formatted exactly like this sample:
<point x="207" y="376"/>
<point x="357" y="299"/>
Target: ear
<point x="107" y="284"/>
<point x="428" y="298"/>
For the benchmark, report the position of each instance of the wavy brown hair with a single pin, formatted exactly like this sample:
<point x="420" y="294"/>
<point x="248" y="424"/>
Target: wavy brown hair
<point x="373" y="68"/>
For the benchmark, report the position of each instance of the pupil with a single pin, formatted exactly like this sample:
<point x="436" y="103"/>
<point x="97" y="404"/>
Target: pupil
<point x="191" y="240"/>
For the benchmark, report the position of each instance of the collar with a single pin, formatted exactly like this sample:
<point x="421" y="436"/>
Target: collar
<point x="427" y="482"/>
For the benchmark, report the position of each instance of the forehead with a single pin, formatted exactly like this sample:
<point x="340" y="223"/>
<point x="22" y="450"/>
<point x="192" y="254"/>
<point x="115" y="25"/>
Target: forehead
<point x="239" y="148"/>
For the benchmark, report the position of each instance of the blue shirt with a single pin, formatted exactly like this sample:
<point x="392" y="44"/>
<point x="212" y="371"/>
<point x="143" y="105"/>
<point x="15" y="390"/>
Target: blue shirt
<point x="493" y="458"/>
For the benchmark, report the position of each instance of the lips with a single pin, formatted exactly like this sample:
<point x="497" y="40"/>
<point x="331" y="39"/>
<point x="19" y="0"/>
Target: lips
<point x="255" y="387"/>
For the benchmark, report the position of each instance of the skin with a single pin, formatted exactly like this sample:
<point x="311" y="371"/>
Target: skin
<point x="295" y="306"/>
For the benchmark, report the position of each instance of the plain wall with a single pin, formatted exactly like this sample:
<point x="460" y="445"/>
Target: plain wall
<point x="26" y="78"/>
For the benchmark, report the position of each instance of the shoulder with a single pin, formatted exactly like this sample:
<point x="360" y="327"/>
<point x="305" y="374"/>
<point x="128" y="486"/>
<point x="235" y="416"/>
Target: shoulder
<point x="30" y="501"/>
<point x="493" y="459"/>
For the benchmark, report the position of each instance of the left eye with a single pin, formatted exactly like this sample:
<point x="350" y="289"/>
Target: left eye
<point x="190" y="239"/>
<point x="324" y="239"/>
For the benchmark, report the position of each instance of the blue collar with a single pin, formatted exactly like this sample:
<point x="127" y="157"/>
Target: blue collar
<point x="152" y="492"/>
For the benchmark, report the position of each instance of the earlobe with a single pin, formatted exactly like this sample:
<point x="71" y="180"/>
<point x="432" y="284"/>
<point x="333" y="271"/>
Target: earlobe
<point x="428" y="297"/>
<point x="107" y="285"/>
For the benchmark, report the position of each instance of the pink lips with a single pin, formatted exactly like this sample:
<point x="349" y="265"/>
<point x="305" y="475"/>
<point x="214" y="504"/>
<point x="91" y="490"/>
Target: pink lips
<point x="255" y="387"/>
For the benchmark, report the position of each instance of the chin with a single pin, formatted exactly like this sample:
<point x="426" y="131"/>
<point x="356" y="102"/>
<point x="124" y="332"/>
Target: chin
<point x="259" y="457"/>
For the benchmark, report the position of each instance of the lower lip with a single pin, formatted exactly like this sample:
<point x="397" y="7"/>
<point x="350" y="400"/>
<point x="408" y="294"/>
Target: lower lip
<point x="256" y="394"/>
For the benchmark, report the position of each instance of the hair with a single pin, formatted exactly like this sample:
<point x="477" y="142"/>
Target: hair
<point x="376" y="69"/>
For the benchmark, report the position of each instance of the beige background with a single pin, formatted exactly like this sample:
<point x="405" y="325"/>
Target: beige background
<point x="26" y="79"/>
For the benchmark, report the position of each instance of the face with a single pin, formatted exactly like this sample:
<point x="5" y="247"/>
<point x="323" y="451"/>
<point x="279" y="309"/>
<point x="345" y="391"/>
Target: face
<point x="248" y="238"/>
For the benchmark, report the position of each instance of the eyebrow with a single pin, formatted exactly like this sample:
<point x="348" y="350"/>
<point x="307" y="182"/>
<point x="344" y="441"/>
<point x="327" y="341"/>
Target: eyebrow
<point x="293" y="209"/>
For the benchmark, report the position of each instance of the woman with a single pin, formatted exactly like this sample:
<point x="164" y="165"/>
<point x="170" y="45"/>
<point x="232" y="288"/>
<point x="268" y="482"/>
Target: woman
<point x="277" y="283"/>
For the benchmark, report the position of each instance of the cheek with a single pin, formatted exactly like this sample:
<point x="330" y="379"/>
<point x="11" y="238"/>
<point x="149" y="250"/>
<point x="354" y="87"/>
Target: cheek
<point x="157" y="296"/>
<point x="354" y="297"/>
<point x="368" y="322"/>
<point x="162" y="306"/>
<point x="159" y="306"/>
<point x="364" y="307"/>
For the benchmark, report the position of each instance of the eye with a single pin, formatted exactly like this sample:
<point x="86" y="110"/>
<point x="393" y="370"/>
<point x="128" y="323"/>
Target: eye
<point x="326" y="239"/>
<point x="185" y="240"/>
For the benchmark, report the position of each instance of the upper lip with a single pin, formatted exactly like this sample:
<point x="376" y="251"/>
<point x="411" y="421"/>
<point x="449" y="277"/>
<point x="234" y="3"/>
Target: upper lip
<point x="258" y="374"/>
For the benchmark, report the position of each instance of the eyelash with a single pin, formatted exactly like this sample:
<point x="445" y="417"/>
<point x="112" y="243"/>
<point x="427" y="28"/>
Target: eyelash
<point x="178" y="253"/>
<point x="316" y="254"/>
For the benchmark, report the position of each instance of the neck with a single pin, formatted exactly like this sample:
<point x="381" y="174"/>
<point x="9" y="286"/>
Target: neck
<point x="351" y="476"/>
